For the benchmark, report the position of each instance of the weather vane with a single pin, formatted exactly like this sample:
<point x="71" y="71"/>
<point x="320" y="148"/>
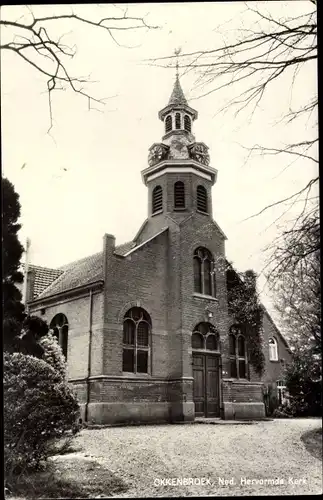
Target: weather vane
<point x="177" y="53"/>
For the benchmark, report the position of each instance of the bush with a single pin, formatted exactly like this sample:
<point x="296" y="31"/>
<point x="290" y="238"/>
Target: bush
<point x="39" y="408"/>
<point x="304" y="384"/>
<point x="270" y="399"/>
<point x="53" y="354"/>
<point x="286" y="410"/>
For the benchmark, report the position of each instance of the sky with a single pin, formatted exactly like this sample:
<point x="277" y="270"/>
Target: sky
<point x="83" y="179"/>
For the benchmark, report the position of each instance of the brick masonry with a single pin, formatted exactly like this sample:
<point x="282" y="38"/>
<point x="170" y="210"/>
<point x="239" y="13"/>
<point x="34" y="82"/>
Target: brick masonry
<point x="158" y="277"/>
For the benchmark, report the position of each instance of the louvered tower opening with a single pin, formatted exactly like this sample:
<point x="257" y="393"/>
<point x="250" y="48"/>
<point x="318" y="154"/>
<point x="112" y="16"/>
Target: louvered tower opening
<point x="157" y="203"/>
<point x="179" y="195"/>
<point x="202" y="199"/>
<point x="187" y="123"/>
<point x="168" y="124"/>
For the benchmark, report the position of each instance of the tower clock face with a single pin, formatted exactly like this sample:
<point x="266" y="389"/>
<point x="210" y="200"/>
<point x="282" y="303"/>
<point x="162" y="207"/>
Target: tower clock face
<point x="156" y="154"/>
<point x="200" y="153"/>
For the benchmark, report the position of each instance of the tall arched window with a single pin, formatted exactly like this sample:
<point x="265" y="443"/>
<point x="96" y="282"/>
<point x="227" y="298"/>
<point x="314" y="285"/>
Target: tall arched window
<point x="157" y="199"/>
<point x="168" y="124"/>
<point x="238" y="353"/>
<point x="178" y="120"/>
<point x="136" y="341"/>
<point x="201" y="199"/>
<point x="273" y="349"/>
<point x="187" y="123"/>
<point x="179" y="194"/>
<point x="205" y="337"/>
<point x="59" y="325"/>
<point x="204" y="276"/>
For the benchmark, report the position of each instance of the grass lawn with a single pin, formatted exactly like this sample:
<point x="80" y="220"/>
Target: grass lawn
<point x="313" y="442"/>
<point x="69" y="476"/>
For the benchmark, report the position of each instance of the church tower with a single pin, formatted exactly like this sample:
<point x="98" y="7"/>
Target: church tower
<point x="179" y="177"/>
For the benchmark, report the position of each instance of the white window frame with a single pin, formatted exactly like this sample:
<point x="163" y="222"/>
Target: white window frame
<point x="273" y="349"/>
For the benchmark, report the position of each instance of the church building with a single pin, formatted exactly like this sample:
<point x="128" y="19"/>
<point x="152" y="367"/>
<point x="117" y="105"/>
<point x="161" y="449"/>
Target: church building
<point x="145" y="325"/>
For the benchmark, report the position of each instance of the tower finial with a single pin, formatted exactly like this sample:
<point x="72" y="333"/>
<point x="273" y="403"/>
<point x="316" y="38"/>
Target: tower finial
<point x="177" y="52"/>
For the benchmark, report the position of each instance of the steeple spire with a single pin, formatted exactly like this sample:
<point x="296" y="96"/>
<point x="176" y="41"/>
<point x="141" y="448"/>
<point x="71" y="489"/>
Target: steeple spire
<point x="177" y="96"/>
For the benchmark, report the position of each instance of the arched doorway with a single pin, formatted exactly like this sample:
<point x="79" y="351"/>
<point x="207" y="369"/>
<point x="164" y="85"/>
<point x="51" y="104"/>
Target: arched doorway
<point x="206" y="370"/>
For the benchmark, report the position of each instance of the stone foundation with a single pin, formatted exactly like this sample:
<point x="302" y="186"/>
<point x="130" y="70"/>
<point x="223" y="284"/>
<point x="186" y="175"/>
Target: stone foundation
<point x="243" y="411"/>
<point x="128" y="413"/>
<point x="116" y="400"/>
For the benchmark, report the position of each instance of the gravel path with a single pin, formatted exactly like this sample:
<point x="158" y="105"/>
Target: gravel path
<point x="246" y="456"/>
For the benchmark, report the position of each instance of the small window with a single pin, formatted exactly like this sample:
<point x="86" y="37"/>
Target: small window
<point x="179" y="195"/>
<point x="211" y="343"/>
<point x="136" y="341"/>
<point x="157" y="199"/>
<point x="168" y="124"/>
<point x="237" y="354"/>
<point x="204" y="276"/>
<point x="273" y="349"/>
<point x="232" y="345"/>
<point x="202" y="199"/>
<point x="187" y="123"/>
<point x="177" y="121"/>
<point x="206" y="337"/>
<point x="197" y="341"/>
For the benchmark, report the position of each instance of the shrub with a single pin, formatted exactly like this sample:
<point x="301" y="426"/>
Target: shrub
<point x="39" y="408"/>
<point x="270" y="399"/>
<point x="285" y="410"/>
<point x="53" y="354"/>
<point x="304" y="383"/>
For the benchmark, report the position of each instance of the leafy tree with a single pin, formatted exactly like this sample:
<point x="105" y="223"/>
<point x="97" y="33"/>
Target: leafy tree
<point x="13" y="309"/>
<point x="32" y="331"/>
<point x="303" y="379"/>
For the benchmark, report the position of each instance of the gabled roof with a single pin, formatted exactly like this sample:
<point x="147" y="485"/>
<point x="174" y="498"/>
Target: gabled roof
<point x="42" y="278"/>
<point x="278" y="332"/>
<point x="78" y="273"/>
<point x="145" y="242"/>
<point x="87" y="270"/>
<point x="124" y="248"/>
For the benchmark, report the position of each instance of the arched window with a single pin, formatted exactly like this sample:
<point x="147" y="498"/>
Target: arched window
<point x="205" y="337"/>
<point x="201" y="199"/>
<point x="273" y="349"/>
<point x="168" y="124"/>
<point x="59" y="325"/>
<point x="237" y="353"/>
<point x="178" y="120"/>
<point x="157" y="200"/>
<point x="197" y="341"/>
<point x="136" y="341"/>
<point x="204" y="277"/>
<point x="187" y="123"/>
<point x="179" y="195"/>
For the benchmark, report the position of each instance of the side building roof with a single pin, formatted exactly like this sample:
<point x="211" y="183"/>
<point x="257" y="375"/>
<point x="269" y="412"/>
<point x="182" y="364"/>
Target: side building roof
<point x="85" y="271"/>
<point x="42" y="277"/>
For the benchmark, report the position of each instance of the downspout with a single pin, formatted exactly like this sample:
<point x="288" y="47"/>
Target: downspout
<point x="25" y="283"/>
<point x="89" y="357"/>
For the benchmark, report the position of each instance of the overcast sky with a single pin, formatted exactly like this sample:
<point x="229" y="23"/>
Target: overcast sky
<point x="84" y="179"/>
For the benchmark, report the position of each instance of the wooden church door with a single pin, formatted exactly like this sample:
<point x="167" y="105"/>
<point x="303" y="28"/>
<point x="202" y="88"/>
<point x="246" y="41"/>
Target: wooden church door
<point x="206" y="394"/>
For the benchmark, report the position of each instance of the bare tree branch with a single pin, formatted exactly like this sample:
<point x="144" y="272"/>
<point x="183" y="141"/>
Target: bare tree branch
<point x="33" y="37"/>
